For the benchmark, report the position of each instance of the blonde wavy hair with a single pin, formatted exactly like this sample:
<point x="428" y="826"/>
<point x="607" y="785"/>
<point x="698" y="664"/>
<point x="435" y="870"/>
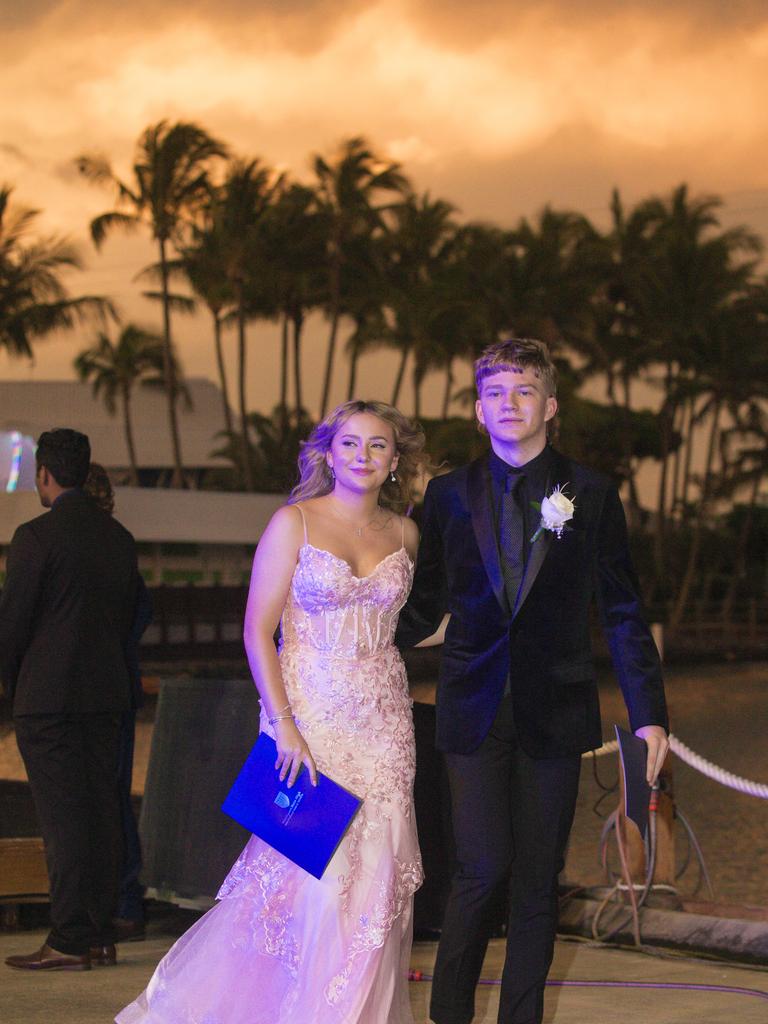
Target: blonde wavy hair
<point x="316" y="479"/>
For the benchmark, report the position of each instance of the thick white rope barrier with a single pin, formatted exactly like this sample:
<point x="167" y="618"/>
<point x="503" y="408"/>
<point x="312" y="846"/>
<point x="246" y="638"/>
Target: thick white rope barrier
<point x="700" y="764"/>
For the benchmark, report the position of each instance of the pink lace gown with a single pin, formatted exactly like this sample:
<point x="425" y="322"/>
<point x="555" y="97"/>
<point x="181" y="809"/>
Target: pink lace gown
<point x="282" y="947"/>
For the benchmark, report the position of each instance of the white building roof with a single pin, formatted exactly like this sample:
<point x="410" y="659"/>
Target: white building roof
<point x="162" y="514"/>
<point x="30" y="407"/>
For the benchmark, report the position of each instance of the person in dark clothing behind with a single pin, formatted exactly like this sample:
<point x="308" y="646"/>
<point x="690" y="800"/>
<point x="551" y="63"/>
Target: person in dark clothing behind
<point x="66" y="613"/>
<point x="129" y="923"/>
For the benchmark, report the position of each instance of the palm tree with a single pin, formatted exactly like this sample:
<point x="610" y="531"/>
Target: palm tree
<point x="237" y="212"/>
<point x="617" y="345"/>
<point x="694" y="274"/>
<point x="419" y="242"/>
<point x="203" y="265"/>
<point x="364" y="301"/>
<point x="34" y="301"/>
<point x="348" y="189"/>
<point x="554" y="266"/>
<point x="169" y="185"/>
<point x="293" y="241"/>
<point x="751" y="468"/>
<point x="731" y="377"/>
<point x="114" y="368"/>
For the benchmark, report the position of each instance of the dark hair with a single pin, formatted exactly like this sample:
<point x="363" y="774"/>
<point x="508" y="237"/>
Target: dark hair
<point x="66" y="454"/>
<point x="98" y="487"/>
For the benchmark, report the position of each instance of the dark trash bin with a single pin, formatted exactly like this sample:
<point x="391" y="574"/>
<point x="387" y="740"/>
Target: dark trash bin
<point x="203" y="732"/>
<point x="433" y="820"/>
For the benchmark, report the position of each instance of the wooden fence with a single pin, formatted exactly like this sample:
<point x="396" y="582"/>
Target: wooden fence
<point x="206" y="623"/>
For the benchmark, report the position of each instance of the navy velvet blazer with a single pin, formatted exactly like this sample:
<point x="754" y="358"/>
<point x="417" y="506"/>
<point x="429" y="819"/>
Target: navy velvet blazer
<point x="544" y="645"/>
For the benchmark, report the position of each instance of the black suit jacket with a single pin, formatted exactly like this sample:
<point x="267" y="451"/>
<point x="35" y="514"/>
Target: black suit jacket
<point x="66" y="611"/>
<point x="544" y="644"/>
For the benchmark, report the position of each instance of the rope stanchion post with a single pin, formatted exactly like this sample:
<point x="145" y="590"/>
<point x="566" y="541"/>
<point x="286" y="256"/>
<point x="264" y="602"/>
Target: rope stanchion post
<point x="650" y="871"/>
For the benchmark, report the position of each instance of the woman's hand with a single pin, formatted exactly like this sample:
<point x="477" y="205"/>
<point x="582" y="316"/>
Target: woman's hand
<point x="292" y="752"/>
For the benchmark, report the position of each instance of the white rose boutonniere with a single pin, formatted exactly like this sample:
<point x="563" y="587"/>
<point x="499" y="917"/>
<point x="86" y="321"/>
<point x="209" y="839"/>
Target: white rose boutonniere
<point x="556" y="510"/>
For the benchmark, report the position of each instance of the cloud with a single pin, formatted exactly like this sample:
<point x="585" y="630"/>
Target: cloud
<point x="308" y="24"/>
<point x="467" y="25"/>
<point x="449" y="91"/>
<point x="301" y="25"/>
<point x="12" y="152"/>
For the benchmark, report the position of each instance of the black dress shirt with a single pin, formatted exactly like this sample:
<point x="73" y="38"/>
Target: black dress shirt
<point x="537" y="481"/>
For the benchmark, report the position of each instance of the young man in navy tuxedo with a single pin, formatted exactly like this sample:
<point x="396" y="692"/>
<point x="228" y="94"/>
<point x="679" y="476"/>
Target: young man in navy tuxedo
<point x="515" y="548"/>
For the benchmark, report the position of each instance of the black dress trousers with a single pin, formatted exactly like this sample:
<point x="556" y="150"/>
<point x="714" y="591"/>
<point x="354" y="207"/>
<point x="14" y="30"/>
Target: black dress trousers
<point x="71" y="761"/>
<point x="511" y="817"/>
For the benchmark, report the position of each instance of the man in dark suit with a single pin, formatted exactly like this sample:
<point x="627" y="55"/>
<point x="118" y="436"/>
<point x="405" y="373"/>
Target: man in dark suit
<point x="515" y="547"/>
<point x="66" y="612"/>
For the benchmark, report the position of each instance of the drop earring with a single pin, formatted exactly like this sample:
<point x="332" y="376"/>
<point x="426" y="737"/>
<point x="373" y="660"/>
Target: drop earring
<point x="392" y="476"/>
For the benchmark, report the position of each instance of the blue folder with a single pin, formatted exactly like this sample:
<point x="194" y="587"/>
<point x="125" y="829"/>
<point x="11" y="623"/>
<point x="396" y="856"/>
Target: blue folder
<point x="305" y="823"/>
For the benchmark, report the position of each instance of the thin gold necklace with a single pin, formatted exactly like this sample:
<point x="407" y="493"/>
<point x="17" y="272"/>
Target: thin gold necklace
<point x="358" y="527"/>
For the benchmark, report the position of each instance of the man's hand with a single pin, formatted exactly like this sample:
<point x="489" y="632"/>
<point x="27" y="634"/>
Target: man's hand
<point x="658" y="745"/>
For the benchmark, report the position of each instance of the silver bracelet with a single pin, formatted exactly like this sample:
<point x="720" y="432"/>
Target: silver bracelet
<point x="279" y="718"/>
<point x="279" y="710"/>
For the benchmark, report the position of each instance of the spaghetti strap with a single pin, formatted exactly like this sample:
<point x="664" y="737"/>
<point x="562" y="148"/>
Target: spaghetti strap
<point x="402" y="531"/>
<point x="304" y="521"/>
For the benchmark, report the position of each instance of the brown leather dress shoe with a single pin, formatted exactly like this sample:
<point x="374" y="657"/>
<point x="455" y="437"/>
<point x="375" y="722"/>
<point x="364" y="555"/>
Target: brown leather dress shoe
<point x="103" y="956"/>
<point x="48" y="959"/>
<point x="128" y="930"/>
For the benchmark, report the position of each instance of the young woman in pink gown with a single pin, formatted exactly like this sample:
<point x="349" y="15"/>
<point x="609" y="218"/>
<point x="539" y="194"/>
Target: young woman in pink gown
<point x="334" y="566"/>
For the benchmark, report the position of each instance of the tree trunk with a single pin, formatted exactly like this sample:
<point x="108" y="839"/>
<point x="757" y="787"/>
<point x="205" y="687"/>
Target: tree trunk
<point x="400" y="374"/>
<point x="284" y="374"/>
<point x="448" y="389"/>
<point x="626" y="444"/>
<point x="418" y="380"/>
<point x="682" y="461"/>
<point x="689" y="454"/>
<point x="228" y="425"/>
<point x="740" y="557"/>
<point x="353" y="357"/>
<point x="177" y="480"/>
<point x="245" y="445"/>
<point x="298" y="323"/>
<point x="659" y="546"/>
<point x="681" y="601"/>
<point x="128" y="427"/>
<point x="335" y="316"/>
<point x="676" y="459"/>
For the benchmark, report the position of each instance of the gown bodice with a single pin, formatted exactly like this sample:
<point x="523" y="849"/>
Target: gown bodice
<point x="336" y="613"/>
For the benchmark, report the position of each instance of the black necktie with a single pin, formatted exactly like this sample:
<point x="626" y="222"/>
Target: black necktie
<point x="512" y="535"/>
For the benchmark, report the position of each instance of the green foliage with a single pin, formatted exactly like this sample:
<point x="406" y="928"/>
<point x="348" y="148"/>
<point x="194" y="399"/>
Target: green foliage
<point x="273" y="458"/>
<point x="453" y="442"/>
<point x="667" y="296"/>
<point x="34" y="301"/>
<point x="598" y="434"/>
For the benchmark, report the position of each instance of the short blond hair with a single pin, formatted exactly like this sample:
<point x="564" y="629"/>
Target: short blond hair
<point x="517" y="353"/>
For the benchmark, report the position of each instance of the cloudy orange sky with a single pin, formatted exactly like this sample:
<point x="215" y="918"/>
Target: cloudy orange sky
<point x="498" y="106"/>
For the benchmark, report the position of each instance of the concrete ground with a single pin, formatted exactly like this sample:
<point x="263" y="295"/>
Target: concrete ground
<point x="94" y="997"/>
